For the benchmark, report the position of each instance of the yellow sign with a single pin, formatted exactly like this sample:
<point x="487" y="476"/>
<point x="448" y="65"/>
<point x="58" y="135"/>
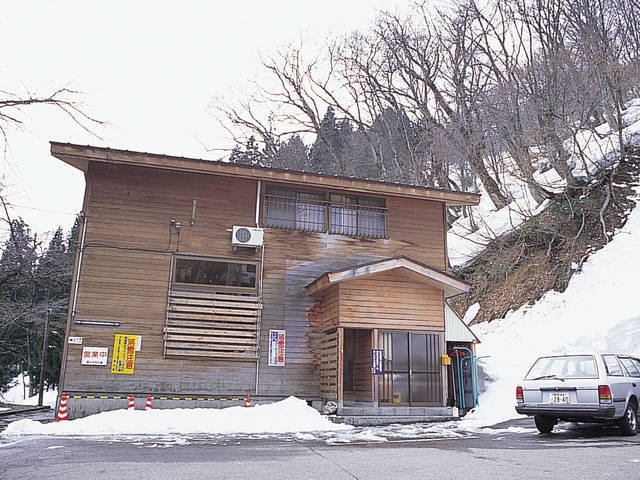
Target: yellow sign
<point x="124" y="354"/>
<point x="446" y="359"/>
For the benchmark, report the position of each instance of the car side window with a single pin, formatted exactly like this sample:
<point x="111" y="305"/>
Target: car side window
<point x="630" y="367"/>
<point x="612" y="365"/>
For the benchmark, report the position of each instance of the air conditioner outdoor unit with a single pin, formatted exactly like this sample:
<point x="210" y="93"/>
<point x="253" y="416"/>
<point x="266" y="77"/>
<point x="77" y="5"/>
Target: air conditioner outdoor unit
<point x="247" y="237"/>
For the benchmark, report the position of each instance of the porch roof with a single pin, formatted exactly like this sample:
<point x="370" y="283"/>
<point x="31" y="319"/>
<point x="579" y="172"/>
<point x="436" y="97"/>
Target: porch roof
<point x="432" y="276"/>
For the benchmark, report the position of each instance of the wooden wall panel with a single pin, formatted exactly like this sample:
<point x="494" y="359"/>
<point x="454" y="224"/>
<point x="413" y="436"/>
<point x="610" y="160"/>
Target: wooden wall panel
<point x="391" y="301"/>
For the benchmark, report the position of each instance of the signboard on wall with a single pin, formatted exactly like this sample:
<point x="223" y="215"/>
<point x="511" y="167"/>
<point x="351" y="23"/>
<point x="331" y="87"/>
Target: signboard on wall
<point x="94" y="355"/>
<point x="124" y="354"/>
<point x="277" y="340"/>
<point x="377" y="362"/>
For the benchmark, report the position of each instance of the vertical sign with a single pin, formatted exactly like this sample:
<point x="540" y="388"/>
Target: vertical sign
<point x="124" y="354"/>
<point x="276" y="347"/>
<point x="377" y="362"/>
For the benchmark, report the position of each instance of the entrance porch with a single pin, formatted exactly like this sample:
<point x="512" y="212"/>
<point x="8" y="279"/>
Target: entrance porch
<point x="383" y="346"/>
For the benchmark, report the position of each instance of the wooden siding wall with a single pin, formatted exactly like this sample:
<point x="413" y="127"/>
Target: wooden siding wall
<point x="126" y="268"/>
<point x="329" y="365"/>
<point x="391" y="301"/>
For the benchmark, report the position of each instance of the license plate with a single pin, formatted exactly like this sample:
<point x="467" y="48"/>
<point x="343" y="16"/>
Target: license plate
<point x="559" y="397"/>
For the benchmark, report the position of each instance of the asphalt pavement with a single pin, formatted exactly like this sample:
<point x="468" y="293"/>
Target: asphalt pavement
<point x="516" y="451"/>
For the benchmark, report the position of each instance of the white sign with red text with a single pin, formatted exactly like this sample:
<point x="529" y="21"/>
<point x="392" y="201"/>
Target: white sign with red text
<point x="94" y="355"/>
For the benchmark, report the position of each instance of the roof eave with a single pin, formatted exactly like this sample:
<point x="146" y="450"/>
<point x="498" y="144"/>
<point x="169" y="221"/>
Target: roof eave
<point x="80" y="156"/>
<point x="450" y="286"/>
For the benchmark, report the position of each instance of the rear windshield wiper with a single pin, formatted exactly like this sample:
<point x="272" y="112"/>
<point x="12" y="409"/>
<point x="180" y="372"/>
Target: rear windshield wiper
<point x="544" y="377"/>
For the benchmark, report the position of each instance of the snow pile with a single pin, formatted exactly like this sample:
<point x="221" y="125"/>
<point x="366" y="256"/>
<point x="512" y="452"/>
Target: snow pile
<point x="287" y="416"/>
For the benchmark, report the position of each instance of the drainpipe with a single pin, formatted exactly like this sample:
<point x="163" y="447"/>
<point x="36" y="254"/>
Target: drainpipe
<point x="257" y="221"/>
<point x="72" y="314"/>
<point x="80" y="255"/>
<point x="258" y="193"/>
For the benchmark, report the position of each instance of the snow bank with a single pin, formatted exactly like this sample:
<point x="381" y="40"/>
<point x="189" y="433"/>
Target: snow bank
<point x="287" y="416"/>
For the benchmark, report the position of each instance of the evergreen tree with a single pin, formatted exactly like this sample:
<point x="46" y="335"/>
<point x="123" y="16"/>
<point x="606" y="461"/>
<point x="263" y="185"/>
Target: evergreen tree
<point x="17" y="265"/>
<point x="34" y="288"/>
<point x="292" y="154"/>
<point x="251" y="154"/>
<point x="328" y="152"/>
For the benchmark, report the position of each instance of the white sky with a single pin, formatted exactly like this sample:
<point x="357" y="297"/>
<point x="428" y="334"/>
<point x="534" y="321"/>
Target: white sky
<point x="149" y="68"/>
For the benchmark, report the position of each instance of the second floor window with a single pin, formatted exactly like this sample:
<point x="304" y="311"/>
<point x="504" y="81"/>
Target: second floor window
<point x="295" y="210"/>
<point x="357" y="216"/>
<point x="309" y="211"/>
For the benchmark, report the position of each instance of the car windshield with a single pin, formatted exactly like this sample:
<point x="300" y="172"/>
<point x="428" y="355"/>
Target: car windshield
<point x="568" y="366"/>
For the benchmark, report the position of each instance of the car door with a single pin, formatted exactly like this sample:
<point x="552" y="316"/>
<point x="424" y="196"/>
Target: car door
<point x="632" y="380"/>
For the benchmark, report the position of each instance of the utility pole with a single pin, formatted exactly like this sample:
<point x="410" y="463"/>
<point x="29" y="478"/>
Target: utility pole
<point x="43" y="357"/>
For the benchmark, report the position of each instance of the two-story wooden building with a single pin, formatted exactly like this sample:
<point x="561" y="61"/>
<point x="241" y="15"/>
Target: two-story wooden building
<point x="200" y="282"/>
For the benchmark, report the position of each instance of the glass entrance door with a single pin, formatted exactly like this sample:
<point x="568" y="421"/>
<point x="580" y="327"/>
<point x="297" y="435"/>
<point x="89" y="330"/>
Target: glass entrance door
<point x="412" y="369"/>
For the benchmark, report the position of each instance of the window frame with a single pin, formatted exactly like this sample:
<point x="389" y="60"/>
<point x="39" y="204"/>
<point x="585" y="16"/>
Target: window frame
<point x="325" y="212"/>
<point x="212" y="287"/>
<point x="212" y="321"/>
<point x="362" y="211"/>
<point x="307" y="213"/>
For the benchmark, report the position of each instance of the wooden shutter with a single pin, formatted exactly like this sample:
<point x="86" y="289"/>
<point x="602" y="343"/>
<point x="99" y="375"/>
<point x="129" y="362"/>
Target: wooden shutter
<point x="212" y="324"/>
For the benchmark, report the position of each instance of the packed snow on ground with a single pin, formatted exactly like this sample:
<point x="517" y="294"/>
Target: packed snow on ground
<point x="597" y="312"/>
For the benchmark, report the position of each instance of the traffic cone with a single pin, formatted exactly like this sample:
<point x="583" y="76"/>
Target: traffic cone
<point x="247" y="401"/>
<point x="62" y="409"/>
<point x="147" y="406"/>
<point x="132" y="403"/>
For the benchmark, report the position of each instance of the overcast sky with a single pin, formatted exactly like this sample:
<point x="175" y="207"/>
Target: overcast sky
<point x="149" y="69"/>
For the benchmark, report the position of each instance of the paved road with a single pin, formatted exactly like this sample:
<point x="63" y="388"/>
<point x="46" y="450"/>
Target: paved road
<point x="573" y="453"/>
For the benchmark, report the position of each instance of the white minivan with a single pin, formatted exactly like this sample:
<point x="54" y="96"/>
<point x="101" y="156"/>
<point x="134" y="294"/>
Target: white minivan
<point x="582" y="388"/>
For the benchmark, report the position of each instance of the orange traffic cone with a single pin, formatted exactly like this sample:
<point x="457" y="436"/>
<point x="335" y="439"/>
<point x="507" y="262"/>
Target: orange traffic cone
<point x="247" y="401"/>
<point x="62" y="409"/>
<point x="132" y="404"/>
<point x="147" y="406"/>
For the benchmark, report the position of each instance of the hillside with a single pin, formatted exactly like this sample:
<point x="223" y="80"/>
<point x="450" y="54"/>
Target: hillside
<point x="541" y="255"/>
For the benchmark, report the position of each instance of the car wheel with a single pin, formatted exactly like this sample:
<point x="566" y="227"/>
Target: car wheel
<point x="629" y="422"/>
<point x="544" y="424"/>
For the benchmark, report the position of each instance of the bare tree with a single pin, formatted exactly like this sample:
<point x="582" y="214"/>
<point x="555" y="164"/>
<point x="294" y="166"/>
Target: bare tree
<point x="603" y="34"/>
<point x="435" y="93"/>
<point x="12" y="106"/>
<point x="501" y="44"/>
<point x="292" y="104"/>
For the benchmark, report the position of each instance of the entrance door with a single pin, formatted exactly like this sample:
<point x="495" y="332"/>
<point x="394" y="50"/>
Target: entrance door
<point x="356" y="370"/>
<point x="412" y="369"/>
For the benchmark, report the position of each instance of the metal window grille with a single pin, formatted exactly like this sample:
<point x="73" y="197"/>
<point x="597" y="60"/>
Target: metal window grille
<point x="352" y="216"/>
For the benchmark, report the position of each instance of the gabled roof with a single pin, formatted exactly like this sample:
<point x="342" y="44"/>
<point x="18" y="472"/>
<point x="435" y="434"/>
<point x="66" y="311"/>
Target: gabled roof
<point x="81" y="156"/>
<point x="438" y="279"/>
